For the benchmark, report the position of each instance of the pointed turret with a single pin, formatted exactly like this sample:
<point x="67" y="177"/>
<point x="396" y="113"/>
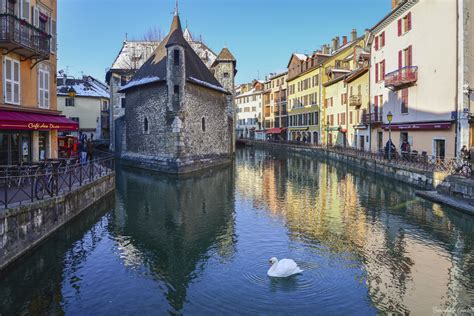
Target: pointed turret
<point x="187" y="35"/>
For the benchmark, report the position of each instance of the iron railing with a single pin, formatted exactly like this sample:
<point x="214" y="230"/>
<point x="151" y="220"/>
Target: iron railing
<point x="20" y="32"/>
<point x="401" y="77"/>
<point x="413" y="159"/>
<point x="37" y="181"/>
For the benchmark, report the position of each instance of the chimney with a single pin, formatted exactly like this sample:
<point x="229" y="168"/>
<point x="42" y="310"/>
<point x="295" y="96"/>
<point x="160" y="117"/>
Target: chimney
<point x="344" y="40"/>
<point x="353" y="35"/>
<point x="394" y="3"/>
<point x="334" y="44"/>
<point x="325" y="49"/>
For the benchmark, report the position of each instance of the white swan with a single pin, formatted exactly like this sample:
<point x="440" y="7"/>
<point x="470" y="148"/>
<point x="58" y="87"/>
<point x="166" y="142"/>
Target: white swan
<point x="283" y="268"/>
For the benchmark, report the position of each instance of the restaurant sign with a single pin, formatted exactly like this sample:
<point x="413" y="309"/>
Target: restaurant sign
<point x="418" y="126"/>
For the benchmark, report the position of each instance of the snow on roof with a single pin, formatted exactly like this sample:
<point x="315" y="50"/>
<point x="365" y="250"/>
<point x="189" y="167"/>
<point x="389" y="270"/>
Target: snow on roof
<point x="301" y="56"/>
<point x="249" y="93"/>
<point x="135" y="53"/>
<point x="140" y="82"/>
<point x="85" y="87"/>
<point x="208" y="85"/>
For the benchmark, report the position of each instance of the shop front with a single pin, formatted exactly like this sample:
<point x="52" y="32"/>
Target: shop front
<point x="434" y="139"/>
<point x="26" y="137"/>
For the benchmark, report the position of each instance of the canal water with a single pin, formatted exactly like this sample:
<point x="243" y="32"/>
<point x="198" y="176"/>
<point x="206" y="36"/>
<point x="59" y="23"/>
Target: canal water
<point x="201" y="245"/>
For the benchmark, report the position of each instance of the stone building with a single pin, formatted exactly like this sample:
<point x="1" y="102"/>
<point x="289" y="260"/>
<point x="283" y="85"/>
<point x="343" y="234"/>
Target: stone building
<point x="132" y="55"/>
<point x="179" y="113"/>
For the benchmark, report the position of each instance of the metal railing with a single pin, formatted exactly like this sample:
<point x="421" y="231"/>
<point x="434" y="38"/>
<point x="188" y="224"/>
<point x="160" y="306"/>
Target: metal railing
<point x="413" y="159"/>
<point x="371" y="118"/>
<point x="37" y="181"/>
<point x="402" y="76"/>
<point x="13" y="29"/>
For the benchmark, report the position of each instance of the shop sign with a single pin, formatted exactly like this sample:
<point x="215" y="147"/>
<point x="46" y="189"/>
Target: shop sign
<point x="37" y="126"/>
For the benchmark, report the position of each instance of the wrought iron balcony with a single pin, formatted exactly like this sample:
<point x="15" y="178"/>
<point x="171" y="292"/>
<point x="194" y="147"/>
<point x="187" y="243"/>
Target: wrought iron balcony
<point x="23" y="38"/>
<point x="355" y="100"/>
<point x="372" y="118"/>
<point x="401" y="78"/>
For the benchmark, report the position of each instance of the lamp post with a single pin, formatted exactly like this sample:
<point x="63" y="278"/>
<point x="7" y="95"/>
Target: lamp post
<point x="71" y="92"/>
<point x="389" y="119"/>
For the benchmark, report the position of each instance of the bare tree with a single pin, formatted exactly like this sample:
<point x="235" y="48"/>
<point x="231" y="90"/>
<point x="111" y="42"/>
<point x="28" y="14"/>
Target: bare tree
<point x="153" y="34"/>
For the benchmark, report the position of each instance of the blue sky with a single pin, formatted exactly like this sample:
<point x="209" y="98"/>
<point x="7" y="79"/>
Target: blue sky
<point x="262" y="34"/>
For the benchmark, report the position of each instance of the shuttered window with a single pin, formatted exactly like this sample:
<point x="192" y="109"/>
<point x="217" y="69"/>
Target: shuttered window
<point x="11" y="74"/>
<point x="25" y="10"/>
<point x="53" y="33"/>
<point x="43" y="88"/>
<point x="376" y="43"/>
<point x="400" y="59"/>
<point x="382" y="70"/>
<point x="376" y="72"/>
<point x="399" y="27"/>
<point x="404" y="105"/>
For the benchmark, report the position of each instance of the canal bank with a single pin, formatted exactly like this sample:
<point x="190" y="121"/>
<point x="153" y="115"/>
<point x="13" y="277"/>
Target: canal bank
<point x="24" y="227"/>
<point x="459" y="191"/>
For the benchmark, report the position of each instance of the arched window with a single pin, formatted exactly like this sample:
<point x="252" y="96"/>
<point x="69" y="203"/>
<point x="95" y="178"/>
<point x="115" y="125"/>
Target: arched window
<point x="203" y="124"/>
<point x="145" y="125"/>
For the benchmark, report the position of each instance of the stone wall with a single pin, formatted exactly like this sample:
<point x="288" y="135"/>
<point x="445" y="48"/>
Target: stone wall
<point x="215" y="140"/>
<point x="425" y="180"/>
<point x="24" y="227"/>
<point x="149" y="102"/>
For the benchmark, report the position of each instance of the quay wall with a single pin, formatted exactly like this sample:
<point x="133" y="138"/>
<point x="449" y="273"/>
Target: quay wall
<point x="24" y="227"/>
<point x="425" y="180"/>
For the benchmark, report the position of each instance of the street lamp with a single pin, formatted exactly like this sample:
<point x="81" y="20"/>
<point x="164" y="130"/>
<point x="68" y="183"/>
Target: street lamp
<point x="71" y="92"/>
<point x="389" y="119"/>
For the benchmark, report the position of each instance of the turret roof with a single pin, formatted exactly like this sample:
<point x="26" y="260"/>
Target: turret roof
<point x="154" y="69"/>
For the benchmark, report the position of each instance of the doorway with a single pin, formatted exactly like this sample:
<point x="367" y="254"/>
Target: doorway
<point x="15" y="148"/>
<point x="440" y="148"/>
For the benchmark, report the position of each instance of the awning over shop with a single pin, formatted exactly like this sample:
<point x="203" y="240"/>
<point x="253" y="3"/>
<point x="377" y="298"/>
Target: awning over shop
<point x="275" y="130"/>
<point x="15" y="120"/>
<point x="418" y="126"/>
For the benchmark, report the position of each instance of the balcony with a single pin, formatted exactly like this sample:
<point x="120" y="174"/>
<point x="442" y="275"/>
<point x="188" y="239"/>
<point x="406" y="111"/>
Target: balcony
<point x="355" y="100"/>
<point x="401" y="78"/>
<point x="23" y="38"/>
<point x="372" y="118"/>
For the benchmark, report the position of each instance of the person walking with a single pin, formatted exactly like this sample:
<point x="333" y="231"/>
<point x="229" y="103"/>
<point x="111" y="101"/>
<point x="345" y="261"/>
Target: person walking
<point x="83" y="152"/>
<point x="90" y="150"/>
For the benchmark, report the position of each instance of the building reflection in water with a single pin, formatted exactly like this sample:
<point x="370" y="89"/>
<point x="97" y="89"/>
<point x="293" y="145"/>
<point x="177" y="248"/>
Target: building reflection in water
<point x="415" y="255"/>
<point x="170" y="225"/>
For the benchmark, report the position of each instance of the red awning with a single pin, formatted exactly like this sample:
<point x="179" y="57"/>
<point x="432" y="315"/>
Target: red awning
<point x="275" y="130"/>
<point x="13" y="120"/>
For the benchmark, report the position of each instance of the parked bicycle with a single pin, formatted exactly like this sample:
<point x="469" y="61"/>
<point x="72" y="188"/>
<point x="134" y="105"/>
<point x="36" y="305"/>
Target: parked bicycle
<point x="46" y="180"/>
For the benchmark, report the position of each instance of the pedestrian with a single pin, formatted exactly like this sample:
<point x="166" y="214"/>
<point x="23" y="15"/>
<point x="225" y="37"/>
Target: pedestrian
<point x="90" y="150"/>
<point x="83" y="149"/>
<point x="391" y="146"/>
<point x="465" y="153"/>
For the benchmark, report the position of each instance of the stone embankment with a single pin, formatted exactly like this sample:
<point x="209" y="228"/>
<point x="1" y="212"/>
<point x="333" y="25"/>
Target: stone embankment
<point x="454" y="191"/>
<point x="24" y="227"/>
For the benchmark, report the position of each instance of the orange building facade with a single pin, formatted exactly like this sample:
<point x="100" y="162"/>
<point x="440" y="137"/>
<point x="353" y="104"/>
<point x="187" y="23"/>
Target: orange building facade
<point x="29" y="120"/>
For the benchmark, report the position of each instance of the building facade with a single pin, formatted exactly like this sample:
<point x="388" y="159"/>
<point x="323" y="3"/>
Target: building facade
<point x="304" y="93"/>
<point x="249" y="110"/>
<point x="276" y="116"/>
<point x="89" y="105"/>
<point x="29" y="119"/>
<point x="131" y="57"/>
<point x="410" y="81"/>
<point x="179" y="114"/>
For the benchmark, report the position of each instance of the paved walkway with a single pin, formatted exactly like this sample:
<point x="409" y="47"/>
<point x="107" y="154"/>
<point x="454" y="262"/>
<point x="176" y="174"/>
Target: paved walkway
<point x="466" y="206"/>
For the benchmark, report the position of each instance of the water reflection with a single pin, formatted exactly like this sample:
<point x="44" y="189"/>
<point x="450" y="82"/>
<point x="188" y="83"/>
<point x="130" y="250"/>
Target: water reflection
<point x="202" y="244"/>
<point x="415" y="255"/>
<point x="171" y="226"/>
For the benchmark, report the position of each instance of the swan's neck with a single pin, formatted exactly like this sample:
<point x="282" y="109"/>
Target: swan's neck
<point x="273" y="267"/>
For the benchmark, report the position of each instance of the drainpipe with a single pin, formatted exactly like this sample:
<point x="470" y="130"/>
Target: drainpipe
<point x="456" y="86"/>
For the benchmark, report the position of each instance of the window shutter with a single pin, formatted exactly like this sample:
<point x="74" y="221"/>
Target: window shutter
<point x="25" y="10"/>
<point x="16" y="82"/>
<point x="382" y="75"/>
<point x="8" y="81"/>
<point x="399" y="27"/>
<point x="409" y="21"/>
<point x="377" y="72"/>
<point x="54" y="36"/>
<point x="383" y="39"/>
<point x="2" y="6"/>
<point x="376" y="43"/>
<point x="400" y="59"/>
<point x="36" y="16"/>
<point x="409" y="56"/>
<point x="46" y="89"/>
<point x="376" y="101"/>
